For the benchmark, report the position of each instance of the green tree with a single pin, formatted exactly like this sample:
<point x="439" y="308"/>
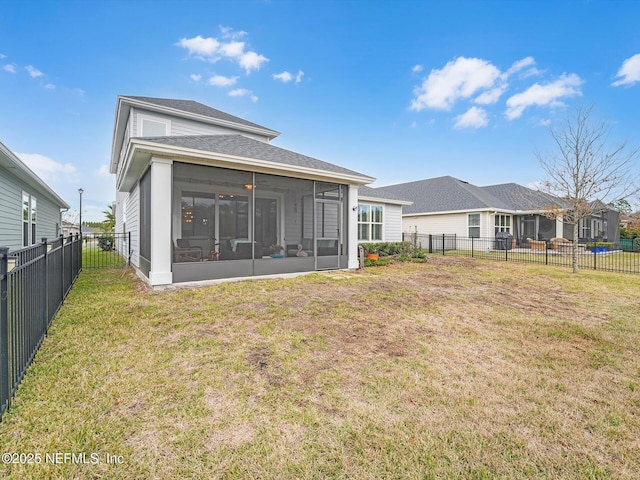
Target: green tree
<point x="109" y="222"/>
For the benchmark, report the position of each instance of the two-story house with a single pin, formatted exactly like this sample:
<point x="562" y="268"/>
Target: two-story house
<point x="205" y="195"/>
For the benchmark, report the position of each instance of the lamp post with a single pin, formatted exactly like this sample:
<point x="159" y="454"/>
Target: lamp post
<point x="80" y="191"/>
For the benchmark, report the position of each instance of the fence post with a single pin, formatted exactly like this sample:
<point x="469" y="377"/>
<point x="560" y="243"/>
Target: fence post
<point x="62" y="267"/>
<point x="44" y="284"/>
<point x="4" y="332"/>
<point x="546" y="254"/>
<point x="129" y="246"/>
<point x="595" y="257"/>
<point x="471" y="247"/>
<point x="80" y="254"/>
<point x="443" y="244"/>
<point x="430" y="244"/>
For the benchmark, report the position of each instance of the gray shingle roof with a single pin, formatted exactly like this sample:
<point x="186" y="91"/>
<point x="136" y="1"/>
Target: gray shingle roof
<point x="365" y="191"/>
<point x="241" y="146"/>
<point x="191" y="106"/>
<point x="522" y="198"/>
<point x="444" y="194"/>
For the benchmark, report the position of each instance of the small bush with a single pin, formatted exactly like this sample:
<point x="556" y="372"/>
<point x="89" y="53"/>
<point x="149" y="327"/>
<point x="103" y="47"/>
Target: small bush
<point x="106" y="243"/>
<point x="636" y="245"/>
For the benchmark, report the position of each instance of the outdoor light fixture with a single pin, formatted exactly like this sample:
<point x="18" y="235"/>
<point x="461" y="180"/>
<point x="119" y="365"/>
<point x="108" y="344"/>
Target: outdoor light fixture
<point x="249" y="186"/>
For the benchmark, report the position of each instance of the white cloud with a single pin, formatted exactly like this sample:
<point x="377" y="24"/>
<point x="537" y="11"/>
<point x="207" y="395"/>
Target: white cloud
<point x="33" y="71"/>
<point x="417" y="68"/>
<point x="520" y="65"/>
<point x="549" y="94"/>
<point x="475" y="117"/>
<point x="78" y="91"/>
<point x="252" y="61"/>
<point x="50" y="86"/>
<point x="196" y="77"/>
<point x="11" y="68"/>
<point x="48" y="169"/>
<point x="243" y="92"/>
<point x="199" y="46"/>
<point x="284" y="77"/>
<point x="2" y="56"/>
<point x="103" y="171"/>
<point x="222" y="81"/>
<point x="491" y="96"/>
<point x="545" y="122"/>
<point x="459" y="79"/>
<point x="629" y="72"/>
<point x="211" y="49"/>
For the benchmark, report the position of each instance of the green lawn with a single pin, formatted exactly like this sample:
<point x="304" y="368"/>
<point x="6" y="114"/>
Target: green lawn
<point x="455" y="368"/>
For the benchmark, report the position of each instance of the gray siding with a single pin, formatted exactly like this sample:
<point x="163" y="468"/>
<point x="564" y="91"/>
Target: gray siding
<point x="48" y="218"/>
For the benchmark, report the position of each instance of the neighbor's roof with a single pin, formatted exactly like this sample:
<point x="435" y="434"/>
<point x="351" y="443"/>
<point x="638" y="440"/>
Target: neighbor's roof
<point x="370" y="193"/>
<point x="523" y="198"/>
<point x="197" y="108"/>
<point x="243" y="147"/>
<point x="13" y="164"/>
<point x="448" y="194"/>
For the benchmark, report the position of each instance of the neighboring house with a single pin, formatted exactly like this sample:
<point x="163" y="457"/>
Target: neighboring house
<point x="29" y="208"/>
<point x="379" y="216"/>
<point x="69" y="228"/>
<point x="451" y="206"/>
<point x="206" y="196"/>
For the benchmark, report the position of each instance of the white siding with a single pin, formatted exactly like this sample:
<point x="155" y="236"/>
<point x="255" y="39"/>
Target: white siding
<point x="48" y="219"/>
<point x="183" y="126"/>
<point x="449" y="223"/>
<point x="392" y="223"/>
<point x="133" y="223"/>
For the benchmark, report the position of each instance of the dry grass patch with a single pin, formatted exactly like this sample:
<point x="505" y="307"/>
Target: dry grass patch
<point x="451" y="369"/>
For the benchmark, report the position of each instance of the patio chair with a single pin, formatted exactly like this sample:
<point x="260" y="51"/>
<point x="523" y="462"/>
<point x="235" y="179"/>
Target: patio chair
<point x="537" y="244"/>
<point x="184" y="252"/>
<point x="557" y="242"/>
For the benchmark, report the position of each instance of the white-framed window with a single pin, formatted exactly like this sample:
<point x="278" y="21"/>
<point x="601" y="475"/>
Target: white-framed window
<point x="473" y="224"/>
<point x="29" y="219"/>
<point x="585" y="228"/>
<point x="153" y="127"/>
<point x="502" y="223"/>
<point x="370" y="223"/>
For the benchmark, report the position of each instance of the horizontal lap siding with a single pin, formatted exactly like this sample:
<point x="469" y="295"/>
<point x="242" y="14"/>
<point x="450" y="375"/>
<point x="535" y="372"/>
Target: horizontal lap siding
<point x="10" y="211"/>
<point x="133" y="223"/>
<point x="392" y="218"/>
<point x="183" y="126"/>
<point x="454" y="223"/>
<point x="47" y="220"/>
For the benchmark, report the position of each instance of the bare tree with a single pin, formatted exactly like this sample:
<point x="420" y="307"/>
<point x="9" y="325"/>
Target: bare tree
<point x="585" y="171"/>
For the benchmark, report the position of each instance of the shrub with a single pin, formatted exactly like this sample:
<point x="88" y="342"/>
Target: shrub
<point x="636" y="245"/>
<point x="106" y="243"/>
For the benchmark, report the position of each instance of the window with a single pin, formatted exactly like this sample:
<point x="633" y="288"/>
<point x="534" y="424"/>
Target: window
<point x="473" y="221"/>
<point x="502" y="223"/>
<point x="153" y="128"/>
<point x="29" y="219"/>
<point x="370" y="223"/>
<point x="585" y="230"/>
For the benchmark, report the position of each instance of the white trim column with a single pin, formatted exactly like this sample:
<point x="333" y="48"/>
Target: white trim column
<point x="353" y="226"/>
<point x="559" y="227"/>
<point x="161" y="187"/>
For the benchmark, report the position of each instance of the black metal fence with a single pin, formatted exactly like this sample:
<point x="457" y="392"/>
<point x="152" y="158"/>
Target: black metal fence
<point x="106" y="250"/>
<point x="34" y="282"/>
<point x="611" y="257"/>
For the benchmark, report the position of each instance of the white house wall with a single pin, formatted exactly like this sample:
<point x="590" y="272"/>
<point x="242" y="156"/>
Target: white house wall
<point x="133" y="223"/>
<point x="392" y="220"/>
<point x="182" y="126"/>
<point x="449" y="223"/>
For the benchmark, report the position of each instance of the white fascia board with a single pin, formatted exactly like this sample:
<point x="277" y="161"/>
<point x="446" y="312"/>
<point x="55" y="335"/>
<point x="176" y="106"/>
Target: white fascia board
<point x="384" y="200"/>
<point x="144" y="148"/>
<point x="448" y="212"/>
<point x="11" y="161"/>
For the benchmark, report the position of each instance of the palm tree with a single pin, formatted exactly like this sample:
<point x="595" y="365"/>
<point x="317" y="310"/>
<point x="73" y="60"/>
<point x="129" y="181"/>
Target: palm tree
<point x="109" y="222"/>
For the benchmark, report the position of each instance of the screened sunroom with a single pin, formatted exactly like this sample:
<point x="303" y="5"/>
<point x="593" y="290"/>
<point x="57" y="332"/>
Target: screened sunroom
<point x="231" y="223"/>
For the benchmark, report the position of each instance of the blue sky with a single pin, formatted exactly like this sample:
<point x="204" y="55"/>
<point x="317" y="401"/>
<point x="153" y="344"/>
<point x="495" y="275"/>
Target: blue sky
<point x="398" y="90"/>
